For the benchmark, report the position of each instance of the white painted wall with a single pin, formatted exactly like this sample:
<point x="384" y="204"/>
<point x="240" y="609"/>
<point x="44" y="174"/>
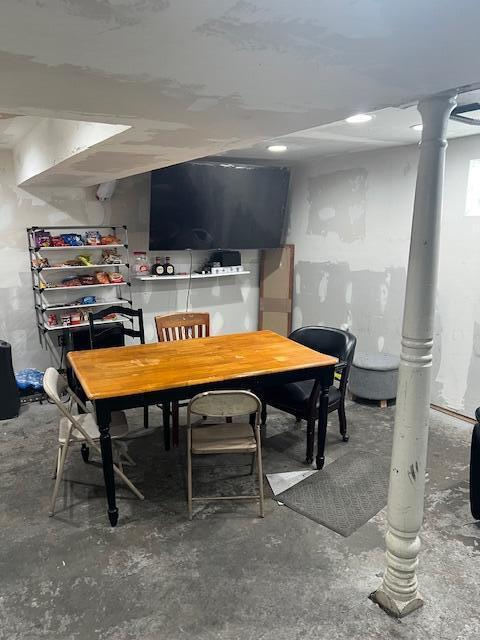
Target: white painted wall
<point x="232" y="302"/>
<point x="350" y="223"/>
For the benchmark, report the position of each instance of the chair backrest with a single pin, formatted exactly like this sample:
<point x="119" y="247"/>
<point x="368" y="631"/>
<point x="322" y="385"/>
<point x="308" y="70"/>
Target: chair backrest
<point x="54" y="385"/>
<point x="127" y="331"/>
<point x="182" y="326"/>
<point x="334" y="342"/>
<point x="217" y="404"/>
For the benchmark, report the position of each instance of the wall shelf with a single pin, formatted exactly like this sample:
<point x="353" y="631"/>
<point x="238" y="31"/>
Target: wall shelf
<point x="195" y="276"/>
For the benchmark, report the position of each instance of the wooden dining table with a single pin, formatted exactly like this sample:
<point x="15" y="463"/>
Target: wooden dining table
<point x="118" y="378"/>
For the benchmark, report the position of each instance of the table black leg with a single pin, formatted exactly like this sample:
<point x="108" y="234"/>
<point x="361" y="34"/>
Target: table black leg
<point x="322" y="426"/>
<point x="166" y="425"/>
<point x="103" y="421"/>
<point x="310" y="439"/>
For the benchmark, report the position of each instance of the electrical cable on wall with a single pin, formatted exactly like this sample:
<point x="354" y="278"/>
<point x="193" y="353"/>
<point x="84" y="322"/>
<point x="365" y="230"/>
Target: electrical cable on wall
<point x="189" y="280"/>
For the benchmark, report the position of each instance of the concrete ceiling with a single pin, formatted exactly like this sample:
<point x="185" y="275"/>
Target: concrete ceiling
<point x="194" y="78"/>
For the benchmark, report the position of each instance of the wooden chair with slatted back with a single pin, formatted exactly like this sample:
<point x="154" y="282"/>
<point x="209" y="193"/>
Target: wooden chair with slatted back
<point x="181" y="326"/>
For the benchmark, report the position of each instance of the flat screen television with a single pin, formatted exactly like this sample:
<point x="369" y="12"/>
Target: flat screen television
<point x="218" y="205"/>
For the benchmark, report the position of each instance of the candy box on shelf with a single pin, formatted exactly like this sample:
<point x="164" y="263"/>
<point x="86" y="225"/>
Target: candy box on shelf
<point x="42" y="238"/>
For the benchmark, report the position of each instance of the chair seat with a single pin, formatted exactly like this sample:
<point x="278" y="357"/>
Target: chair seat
<point x="223" y="438"/>
<point x="118" y="427"/>
<point x="293" y="397"/>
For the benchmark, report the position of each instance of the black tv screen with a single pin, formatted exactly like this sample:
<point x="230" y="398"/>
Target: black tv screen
<point x="213" y="205"/>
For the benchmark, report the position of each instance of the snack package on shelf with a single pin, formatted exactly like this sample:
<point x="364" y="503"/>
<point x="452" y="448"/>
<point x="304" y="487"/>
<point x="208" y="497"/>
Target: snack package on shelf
<point x="86" y="300"/>
<point x="84" y="260"/>
<point x="102" y="277"/>
<point x="115" y="277"/>
<point x="40" y="263"/>
<point x="110" y="239"/>
<point x="57" y="241"/>
<point x="92" y="238"/>
<point x="65" y="319"/>
<point x="111" y="256"/>
<point x="72" y="239"/>
<point x="71" y="281"/>
<point x="75" y="317"/>
<point x="52" y="320"/>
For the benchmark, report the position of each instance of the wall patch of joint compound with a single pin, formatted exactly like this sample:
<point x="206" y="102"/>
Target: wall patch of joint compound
<point x="337" y="204"/>
<point x="369" y="302"/>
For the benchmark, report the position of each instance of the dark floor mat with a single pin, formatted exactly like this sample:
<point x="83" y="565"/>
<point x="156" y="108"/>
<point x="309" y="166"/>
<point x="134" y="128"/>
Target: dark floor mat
<point x="344" y="495"/>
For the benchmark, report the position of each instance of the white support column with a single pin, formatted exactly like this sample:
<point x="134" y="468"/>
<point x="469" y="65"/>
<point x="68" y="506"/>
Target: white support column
<point x="398" y="594"/>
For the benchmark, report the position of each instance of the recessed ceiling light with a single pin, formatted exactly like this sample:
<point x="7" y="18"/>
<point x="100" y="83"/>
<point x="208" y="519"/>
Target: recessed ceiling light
<point x="417" y="127"/>
<point x="277" y="148"/>
<point x="359" y="118"/>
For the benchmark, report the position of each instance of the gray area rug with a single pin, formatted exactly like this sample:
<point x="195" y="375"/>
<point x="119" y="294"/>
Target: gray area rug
<point x="344" y="495"/>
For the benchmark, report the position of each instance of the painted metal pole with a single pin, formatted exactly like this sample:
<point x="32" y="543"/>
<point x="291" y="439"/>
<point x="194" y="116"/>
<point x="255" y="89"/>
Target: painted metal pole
<point x="398" y="594"/>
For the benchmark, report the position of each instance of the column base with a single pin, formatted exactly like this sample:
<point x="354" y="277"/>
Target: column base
<point x="396" y="608"/>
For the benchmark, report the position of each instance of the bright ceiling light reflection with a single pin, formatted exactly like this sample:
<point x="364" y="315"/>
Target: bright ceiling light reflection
<point x="277" y="148"/>
<point x="359" y="118"/>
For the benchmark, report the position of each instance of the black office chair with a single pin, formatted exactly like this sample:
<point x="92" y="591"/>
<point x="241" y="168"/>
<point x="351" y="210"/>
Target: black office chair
<point x="475" y="469"/>
<point x="96" y="335"/>
<point x="301" y="399"/>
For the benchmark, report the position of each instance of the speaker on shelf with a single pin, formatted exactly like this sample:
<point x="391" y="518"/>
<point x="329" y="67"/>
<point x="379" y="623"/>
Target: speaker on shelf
<point x="9" y="394"/>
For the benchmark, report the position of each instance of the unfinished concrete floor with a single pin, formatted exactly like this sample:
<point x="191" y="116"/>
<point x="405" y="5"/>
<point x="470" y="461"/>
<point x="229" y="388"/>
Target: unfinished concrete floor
<point x="227" y="574"/>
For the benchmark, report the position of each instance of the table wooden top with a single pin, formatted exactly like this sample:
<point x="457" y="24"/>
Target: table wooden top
<point x="136" y="369"/>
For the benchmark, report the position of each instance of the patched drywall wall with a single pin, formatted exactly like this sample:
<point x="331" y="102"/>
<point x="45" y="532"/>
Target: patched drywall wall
<point x="350" y="222"/>
<point x="232" y="302"/>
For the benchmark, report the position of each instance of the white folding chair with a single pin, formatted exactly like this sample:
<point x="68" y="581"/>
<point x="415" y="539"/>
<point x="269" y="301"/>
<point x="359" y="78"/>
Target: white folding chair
<point x="83" y="429"/>
<point x="230" y="437"/>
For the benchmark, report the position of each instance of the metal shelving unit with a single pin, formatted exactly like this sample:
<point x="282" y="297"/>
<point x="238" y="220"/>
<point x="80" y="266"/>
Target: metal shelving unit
<point x="55" y="299"/>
